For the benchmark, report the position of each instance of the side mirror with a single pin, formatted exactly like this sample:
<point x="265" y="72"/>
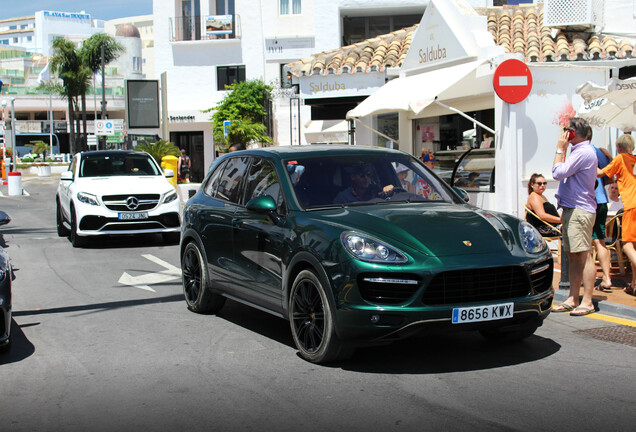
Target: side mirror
<point x="4" y="218"/>
<point x="261" y="204"/>
<point x="264" y="204"/>
<point x="462" y="193"/>
<point x="168" y="173"/>
<point x="66" y="175"/>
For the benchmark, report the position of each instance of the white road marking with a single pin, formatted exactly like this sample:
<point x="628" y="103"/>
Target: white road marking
<point x="144" y="281"/>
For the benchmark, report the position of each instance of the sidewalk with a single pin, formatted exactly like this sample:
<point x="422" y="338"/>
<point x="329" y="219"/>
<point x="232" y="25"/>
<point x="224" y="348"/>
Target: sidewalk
<point x="616" y="302"/>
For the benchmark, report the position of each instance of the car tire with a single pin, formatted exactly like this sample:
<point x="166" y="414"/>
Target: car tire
<point x="312" y="323"/>
<point x="76" y="240"/>
<point x="498" y="335"/>
<point x="198" y="296"/>
<point x="171" y="238"/>
<point x="62" y="231"/>
<point x="5" y="347"/>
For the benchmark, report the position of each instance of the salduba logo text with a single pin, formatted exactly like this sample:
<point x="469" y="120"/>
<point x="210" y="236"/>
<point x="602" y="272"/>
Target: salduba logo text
<point x="431" y="54"/>
<point x="326" y="87"/>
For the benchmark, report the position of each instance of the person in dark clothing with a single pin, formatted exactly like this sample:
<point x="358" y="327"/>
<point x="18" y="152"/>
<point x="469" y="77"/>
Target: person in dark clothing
<point x="540" y="206"/>
<point x="183" y="166"/>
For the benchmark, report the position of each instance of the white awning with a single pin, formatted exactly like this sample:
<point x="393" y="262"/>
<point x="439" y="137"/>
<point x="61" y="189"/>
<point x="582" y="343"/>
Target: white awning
<point x="415" y="93"/>
<point x="327" y="131"/>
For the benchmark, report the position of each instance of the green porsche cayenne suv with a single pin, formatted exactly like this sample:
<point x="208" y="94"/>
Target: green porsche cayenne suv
<point x="357" y="246"/>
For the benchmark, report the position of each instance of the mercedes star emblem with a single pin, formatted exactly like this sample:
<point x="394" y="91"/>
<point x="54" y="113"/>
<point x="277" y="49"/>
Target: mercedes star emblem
<point x="132" y="203"/>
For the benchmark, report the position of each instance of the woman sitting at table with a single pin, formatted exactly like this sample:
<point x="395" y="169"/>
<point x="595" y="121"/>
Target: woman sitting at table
<point x="541" y="207"/>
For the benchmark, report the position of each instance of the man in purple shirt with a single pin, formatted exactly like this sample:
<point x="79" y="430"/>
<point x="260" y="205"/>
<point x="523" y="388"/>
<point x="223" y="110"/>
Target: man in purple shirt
<point x="575" y="195"/>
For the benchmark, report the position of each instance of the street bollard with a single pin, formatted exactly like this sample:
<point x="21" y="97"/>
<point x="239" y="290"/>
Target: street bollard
<point x="15" y="183"/>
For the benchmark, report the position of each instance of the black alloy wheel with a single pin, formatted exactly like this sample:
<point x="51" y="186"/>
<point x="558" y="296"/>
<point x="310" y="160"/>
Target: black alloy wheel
<point x="198" y="296"/>
<point x="312" y="323"/>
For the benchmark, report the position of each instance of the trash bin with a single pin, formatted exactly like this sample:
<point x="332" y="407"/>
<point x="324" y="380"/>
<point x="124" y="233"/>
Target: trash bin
<point x="15" y="183"/>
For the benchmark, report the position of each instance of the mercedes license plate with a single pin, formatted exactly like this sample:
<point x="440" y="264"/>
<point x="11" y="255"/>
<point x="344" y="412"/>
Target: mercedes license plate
<point x="133" y="216"/>
<point x="483" y="313"/>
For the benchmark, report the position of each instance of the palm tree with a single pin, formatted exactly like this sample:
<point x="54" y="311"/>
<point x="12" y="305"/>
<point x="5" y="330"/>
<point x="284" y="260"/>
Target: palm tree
<point x="158" y="149"/>
<point x="91" y="55"/>
<point x="76" y="66"/>
<point x="67" y="64"/>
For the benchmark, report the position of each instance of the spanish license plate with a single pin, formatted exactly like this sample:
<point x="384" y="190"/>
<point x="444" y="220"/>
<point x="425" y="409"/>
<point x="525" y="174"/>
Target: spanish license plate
<point x="483" y="313"/>
<point x="133" y="216"/>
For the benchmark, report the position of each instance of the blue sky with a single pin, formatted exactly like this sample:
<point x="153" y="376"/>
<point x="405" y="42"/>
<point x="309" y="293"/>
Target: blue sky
<point x="98" y="9"/>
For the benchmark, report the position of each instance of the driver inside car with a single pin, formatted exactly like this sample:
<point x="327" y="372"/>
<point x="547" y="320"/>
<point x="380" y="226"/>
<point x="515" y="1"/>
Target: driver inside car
<point x="361" y="188"/>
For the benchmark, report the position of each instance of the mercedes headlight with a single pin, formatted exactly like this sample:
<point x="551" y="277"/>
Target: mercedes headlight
<point x="87" y="198"/>
<point x="369" y="249"/>
<point x="531" y="238"/>
<point x="169" y="197"/>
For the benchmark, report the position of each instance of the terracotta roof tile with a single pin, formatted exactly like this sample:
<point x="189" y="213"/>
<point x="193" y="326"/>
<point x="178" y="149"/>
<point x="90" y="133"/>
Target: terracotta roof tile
<point x="518" y="29"/>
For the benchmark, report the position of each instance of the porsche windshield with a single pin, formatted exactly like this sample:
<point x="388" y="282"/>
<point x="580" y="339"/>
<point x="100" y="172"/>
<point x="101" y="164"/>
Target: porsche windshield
<point x="363" y="179"/>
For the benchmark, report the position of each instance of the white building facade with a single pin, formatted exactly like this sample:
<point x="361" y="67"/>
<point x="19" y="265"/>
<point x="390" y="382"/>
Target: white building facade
<point x="198" y="59"/>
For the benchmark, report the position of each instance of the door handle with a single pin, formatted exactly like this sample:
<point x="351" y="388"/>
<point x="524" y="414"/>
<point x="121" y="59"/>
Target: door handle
<point x="237" y="222"/>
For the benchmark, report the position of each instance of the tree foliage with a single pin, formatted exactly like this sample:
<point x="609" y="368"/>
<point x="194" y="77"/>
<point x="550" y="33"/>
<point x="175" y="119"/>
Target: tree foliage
<point x="39" y="147"/>
<point x="75" y="67"/>
<point x="244" y="107"/>
<point x="159" y="149"/>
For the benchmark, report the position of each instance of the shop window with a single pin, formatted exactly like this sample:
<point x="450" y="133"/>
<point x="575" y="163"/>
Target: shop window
<point x="290" y="7"/>
<point x="388" y="124"/>
<point x="226" y="75"/>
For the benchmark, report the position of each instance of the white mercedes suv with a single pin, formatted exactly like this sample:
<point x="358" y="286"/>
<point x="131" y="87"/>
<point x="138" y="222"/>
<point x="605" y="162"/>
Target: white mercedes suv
<point x="116" y="192"/>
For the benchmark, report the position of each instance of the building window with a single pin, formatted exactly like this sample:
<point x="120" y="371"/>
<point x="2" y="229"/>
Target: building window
<point x="226" y="75"/>
<point x="290" y="7"/>
<point x="225" y="7"/>
<point x="357" y="29"/>
<point x="29" y="38"/>
<point x="15" y="40"/>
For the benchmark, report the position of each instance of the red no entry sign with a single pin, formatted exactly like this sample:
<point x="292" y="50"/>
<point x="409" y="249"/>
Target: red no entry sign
<point x="512" y="81"/>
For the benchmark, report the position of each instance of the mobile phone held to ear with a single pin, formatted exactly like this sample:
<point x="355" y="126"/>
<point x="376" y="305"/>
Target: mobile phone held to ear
<point x="571" y="134"/>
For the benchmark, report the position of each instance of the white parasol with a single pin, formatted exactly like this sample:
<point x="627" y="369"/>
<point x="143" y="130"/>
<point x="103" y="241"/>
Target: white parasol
<point x="611" y="105"/>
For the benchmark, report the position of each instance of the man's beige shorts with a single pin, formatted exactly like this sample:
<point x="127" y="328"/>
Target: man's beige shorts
<point x="577" y="229"/>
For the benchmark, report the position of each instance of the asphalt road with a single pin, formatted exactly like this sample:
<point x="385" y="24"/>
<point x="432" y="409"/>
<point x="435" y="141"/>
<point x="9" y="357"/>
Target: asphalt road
<point x="91" y="352"/>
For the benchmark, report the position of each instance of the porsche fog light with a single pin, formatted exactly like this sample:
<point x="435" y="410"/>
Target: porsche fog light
<point x="369" y="249"/>
<point x="531" y="238"/>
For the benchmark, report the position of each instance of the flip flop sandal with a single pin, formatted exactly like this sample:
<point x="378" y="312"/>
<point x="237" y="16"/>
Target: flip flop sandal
<point x="603" y="288"/>
<point x="630" y="290"/>
<point x="582" y="311"/>
<point x="563" y="307"/>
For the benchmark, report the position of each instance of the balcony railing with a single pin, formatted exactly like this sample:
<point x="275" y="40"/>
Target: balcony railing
<point x="210" y="27"/>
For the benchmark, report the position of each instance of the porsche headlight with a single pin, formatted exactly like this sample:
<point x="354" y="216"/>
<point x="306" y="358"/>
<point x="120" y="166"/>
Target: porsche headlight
<point x="369" y="249"/>
<point x="169" y="197"/>
<point x="531" y="238"/>
<point x="87" y="198"/>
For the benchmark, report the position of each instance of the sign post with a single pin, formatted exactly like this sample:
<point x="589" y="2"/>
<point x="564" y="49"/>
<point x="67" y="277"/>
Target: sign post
<point x="512" y="81"/>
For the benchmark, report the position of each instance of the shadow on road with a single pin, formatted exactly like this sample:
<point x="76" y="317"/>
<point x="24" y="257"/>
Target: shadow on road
<point x="100" y="306"/>
<point x="455" y="352"/>
<point x="21" y="347"/>
<point x="425" y="354"/>
<point x="126" y="241"/>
